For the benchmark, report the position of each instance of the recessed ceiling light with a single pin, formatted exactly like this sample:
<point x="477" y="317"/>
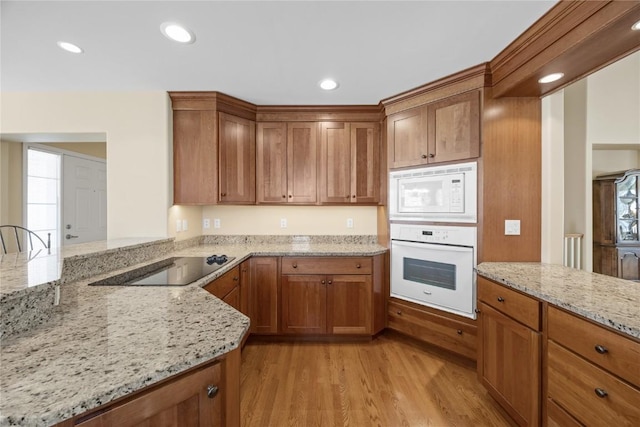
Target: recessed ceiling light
<point x="69" y="47"/>
<point x="328" y="84"/>
<point x="636" y="26"/>
<point x="177" y="33"/>
<point x="551" y="78"/>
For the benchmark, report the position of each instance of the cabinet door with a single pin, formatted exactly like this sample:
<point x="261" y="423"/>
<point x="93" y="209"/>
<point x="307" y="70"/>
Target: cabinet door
<point x="237" y="165"/>
<point x="245" y="288"/>
<point x="302" y="157"/>
<point x="194" y="158"/>
<point x="407" y="138"/>
<point x="271" y="163"/>
<point x="183" y="402"/>
<point x="629" y="263"/>
<point x="349" y="304"/>
<point x="604" y="212"/>
<point x="605" y="260"/>
<point x="304" y="304"/>
<point x="335" y="163"/>
<point x="233" y="298"/>
<point x="365" y="163"/>
<point x="264" y="301"/>
<point x="510" y="367"/>
<point x="454" y="128"/>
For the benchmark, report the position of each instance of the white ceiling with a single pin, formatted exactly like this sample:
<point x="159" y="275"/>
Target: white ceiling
<point x="267" y="52"/>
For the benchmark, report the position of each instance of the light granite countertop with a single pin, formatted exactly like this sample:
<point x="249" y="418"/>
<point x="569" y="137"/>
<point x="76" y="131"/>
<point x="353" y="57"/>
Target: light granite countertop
<point x="606" y="300"/>
<point x="103" y="342"/>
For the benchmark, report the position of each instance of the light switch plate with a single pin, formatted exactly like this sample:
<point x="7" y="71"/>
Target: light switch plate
<point x="206" y="223"/>
<point x="349" y="222"/>
<point x="283" y="222"/>
<point x="511" y="227"/>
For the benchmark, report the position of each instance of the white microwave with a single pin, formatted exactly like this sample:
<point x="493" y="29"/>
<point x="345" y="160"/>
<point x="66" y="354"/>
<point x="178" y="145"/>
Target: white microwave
<point x="435" y="193"/>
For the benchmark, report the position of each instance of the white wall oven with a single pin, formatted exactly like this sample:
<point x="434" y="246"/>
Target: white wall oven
<point x="434" y="266"/>
<point x="435" y="193"/>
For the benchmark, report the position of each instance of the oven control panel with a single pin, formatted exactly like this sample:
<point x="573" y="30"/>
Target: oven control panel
<point x="450" y="235"/>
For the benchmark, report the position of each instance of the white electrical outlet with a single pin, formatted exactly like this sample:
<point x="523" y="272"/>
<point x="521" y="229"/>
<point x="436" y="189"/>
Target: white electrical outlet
<point x="283" y="222"/>
<point x="185" y="225"/>
<point x="511" y="227"/>
<point x="216" y="223"/>
<point x="349" y="222"/>
<point x="179" y="225"/>
<point x="206" y="223"/>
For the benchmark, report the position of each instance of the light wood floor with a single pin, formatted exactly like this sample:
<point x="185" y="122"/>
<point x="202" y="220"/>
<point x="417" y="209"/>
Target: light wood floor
<point x="390" y="381"/>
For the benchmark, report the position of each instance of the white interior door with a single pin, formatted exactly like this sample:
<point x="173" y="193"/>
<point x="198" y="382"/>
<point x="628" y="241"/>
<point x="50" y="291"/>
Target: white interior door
<point x="84" y="217"/>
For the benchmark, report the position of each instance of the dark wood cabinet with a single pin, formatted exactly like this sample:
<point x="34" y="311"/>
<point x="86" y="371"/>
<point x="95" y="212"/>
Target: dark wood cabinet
<point x="509" y="359"/>
<point x="304" y="304"/>
<point x="237" y="159"/>
<point x="616" y="242"/>
<point x="349" y="304"/>
<point x="227" y="287"/>
<point x="287" y="155"/>
<point x="440" y="131"/>
<point x="349" y="163"/>
<point x="195" y="181"/>
<point x="264" y="293"/>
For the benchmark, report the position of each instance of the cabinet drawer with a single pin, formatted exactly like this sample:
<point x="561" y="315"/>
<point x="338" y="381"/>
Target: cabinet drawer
<point x="447" y="333"/>
<point x="520" y="307"/>
<point x="224" y="284"/>
<point x="326" y="265"/>
<point x="605" y="348"/>
<point x="558" y="417"/>
<point x="576" y="384"/>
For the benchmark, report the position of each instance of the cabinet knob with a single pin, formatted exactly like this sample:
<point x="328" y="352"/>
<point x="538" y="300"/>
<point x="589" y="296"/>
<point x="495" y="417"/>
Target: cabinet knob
<point x="223" y="194"/>
<point x="235" y="279"/>
<point x="357" y="265"/>
<point x="477" y="310"/>
<point x="459" y="331"/>
<point x="290" y="196"/>
<point x="284" y="197"/>
<point x="431" y="155"/>
<point x="500" y="299"/>
<point x="353" y="197"/>
<point x="322" y="281"/>
<point x="601" y="393"/>
<point x="601" y="349"/>
<point x="424" y="156"/>
<point x="399" y="313"/>
<point x="330" y="282"/>
<point x="294" y="265"/>
<point x="212" y="391"/>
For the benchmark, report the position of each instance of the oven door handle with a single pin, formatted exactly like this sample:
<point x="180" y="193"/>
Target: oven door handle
<point x="452" y="248"/>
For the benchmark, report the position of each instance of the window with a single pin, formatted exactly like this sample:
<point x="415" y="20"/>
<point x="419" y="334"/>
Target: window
<point x="43" y="194"/>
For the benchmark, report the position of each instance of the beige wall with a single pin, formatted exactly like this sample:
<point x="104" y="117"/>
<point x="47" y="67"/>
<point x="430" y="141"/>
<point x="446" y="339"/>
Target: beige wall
<point x="138" y="129"/>
<point x="607" y="161"/>
<point x="301" y="220"/>
<point x="95" y="149"/>
<point x="193" y="215"/>
<point x="10" y="183"/>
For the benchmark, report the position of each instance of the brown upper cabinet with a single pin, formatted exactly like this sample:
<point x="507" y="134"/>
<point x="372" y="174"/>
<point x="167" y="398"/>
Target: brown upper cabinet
<point x="349" y="162"/>
<point x="237" y="164"/>
<point x="194" y="157"/>
<point x="441" y="131"/>
<point x="286" y="162"/>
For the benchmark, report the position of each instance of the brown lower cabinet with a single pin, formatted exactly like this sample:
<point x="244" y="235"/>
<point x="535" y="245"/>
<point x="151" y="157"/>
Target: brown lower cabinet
<point x="227" y="287"/>
<point x="565" y="371"/>
<point x="207" y="396"/>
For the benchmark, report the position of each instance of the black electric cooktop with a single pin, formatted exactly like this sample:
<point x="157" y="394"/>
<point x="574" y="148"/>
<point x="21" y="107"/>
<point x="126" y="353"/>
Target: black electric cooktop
<point x="169" y="272"/>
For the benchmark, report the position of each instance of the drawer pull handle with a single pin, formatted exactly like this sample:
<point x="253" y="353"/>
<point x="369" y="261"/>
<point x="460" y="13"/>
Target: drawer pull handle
<point x="601" y="393"/>
<point x="357" y="265"/>
<point x="235" y="279"/>
<point x="500" y="299"/>
<point x="212" y="391"/>
<point x="294" y="265"/>
<point x="601" y="349"/>
<point x="459" y="331"/>
<point x="399" y="313"/>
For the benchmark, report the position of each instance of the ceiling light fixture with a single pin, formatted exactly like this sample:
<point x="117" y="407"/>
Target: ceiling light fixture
<point x="551" y="78"/>
<point x="328" y="84"/>
<point x="177" y="33"/>
<point x="69" y="47"/>
<point x="636" y="26"/>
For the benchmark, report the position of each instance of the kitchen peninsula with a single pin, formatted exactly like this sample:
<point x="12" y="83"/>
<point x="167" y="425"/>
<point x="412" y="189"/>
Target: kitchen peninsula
<point x="103" y="343"/>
